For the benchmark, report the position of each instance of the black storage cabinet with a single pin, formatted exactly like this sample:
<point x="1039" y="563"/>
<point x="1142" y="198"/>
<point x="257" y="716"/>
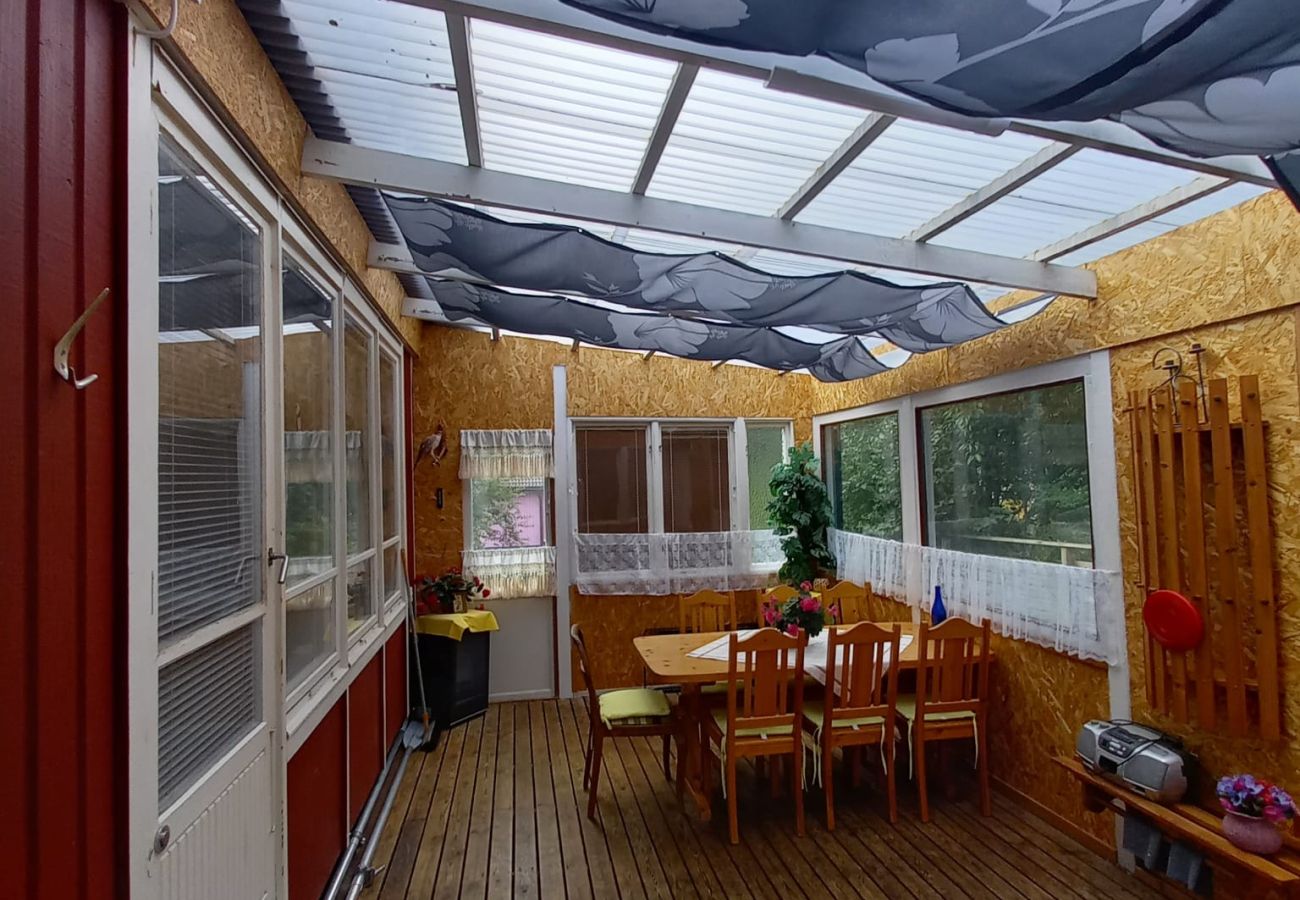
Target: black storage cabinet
<point x="455" y="678"/>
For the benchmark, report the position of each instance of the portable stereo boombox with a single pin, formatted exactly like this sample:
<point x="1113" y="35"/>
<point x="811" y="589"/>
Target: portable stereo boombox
<point x="1143" y="759"/>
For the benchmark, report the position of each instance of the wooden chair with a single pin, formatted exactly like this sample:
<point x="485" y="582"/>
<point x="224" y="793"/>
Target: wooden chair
<point x="859" y="705"/>
<point x="849" y="600"/>
<point x="631" y="712"/>
<point x="763" y="715"/>
<point x="706" y="610"/>
<point x="774" y="596"/>
<point x="951" y="700"/>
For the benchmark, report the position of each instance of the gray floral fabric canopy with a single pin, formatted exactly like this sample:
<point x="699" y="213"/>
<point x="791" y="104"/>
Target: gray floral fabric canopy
<point x="1204" y="77"/>
<point x="843" y="359"/>
<point x="702" y="306"/>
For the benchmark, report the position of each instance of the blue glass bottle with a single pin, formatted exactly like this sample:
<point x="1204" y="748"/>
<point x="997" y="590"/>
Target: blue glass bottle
<point x="938" y="612"/>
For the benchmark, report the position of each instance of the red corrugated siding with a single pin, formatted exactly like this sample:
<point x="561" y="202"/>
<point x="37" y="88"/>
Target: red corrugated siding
<point x="62" y="672"/>
<point x="366" y="744"/>
<point x="317" y="805"/>
<point x="395" y="682"/>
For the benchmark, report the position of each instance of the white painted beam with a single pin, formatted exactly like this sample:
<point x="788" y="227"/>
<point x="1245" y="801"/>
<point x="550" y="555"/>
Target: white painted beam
<point x="862" y="137"/>
<point x="383" y="169"/>
<point x="678" y="91"/>
<point x="1013" y="178"/>
<point x="466" y="94"/>
<point x="814" y="76"/>
<point x="1144" y="212"/>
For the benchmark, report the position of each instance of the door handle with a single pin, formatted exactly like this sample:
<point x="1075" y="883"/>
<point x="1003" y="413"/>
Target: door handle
<point x="272" y="556"/>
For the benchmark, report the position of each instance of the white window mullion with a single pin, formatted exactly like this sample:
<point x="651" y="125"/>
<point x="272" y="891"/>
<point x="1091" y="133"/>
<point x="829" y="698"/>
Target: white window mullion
<point x="655" y="473"/>
<point x="377" y="587"/>
<point x="738" y="462"/>
<point x="341" y="486"/>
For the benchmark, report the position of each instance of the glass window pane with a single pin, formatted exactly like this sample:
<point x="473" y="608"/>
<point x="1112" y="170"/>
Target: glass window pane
<point x="613" y="496"/>
<point x="697" y="482"/>
<point x="393" y="579"/>
<point x="765" y="449"/>
<point x="361" y="594"/>
<point x="388" y="443"/>
<point x="508" y="512"/>
<point x="1008" y="475"/>
<point x="309" y="631"/>
<point x="209" y="399"/>
<point x="356" y="428"/>
<point x="863" y="476"/>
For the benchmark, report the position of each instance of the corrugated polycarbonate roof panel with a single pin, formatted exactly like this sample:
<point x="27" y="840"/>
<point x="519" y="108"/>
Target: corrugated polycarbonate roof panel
<point x="739" y="146"/>
<point x="564" y="110"/>
<point x="525" y="217"/>
<point x="659" y="242"/>
<point x="1082" y="191"/>
<point x="911" y="173"/>
<point x="385" y="69"/>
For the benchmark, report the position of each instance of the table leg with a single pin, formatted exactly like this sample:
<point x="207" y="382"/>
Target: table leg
<point x="695" y="753"/>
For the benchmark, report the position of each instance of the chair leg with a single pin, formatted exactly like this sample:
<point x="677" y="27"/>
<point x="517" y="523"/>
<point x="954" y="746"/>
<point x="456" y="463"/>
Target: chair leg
<point x="586" y="768"/>
<point x="597" y="741"/>
<point x="986" y="800"/>
<point x="774" y="775"/>
<point x="796" y="788"/>
<point x="921" y="788"/>
<point x="856" y="756"/>
<point x="890" y="789"/>
<point x="668" y="768"/>
<point x="828" y="783"/>
<point x="733" y="821"/>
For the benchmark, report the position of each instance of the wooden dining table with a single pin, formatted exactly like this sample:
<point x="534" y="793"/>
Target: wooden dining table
<point x="668" y="660"/>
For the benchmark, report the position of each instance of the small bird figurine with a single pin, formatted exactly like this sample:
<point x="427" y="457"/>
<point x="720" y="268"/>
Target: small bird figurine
<point x="434" y="446"/>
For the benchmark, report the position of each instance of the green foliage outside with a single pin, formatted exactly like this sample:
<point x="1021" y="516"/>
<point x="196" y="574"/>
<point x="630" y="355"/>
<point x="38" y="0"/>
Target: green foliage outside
<point x="800" y="512"/>
<point x="765" y="449"/>
<point x="1011" y="466"/>
<point x="494" y="511"/>
<point x="308" y="510"/>
<point x="865" y="476"/>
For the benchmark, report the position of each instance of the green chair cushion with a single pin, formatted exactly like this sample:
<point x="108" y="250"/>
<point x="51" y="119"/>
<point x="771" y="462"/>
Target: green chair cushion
<point x="718" y="687"/>
<point x="633" y="706"/>
<point x="907" y="709"/>
<point x="814" y="711"/>
<point x="720" y="718"/>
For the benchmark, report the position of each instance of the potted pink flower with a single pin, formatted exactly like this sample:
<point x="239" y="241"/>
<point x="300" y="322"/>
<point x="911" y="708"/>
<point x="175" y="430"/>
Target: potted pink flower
<point x="1254" y="810"/>
<point x="804" y="610"/>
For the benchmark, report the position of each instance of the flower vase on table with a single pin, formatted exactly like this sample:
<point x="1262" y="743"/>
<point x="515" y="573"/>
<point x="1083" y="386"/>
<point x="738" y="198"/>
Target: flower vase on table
<point x="1254" y="813"/>
<point x="451" y="592"/>
<point x="804" y="610"/>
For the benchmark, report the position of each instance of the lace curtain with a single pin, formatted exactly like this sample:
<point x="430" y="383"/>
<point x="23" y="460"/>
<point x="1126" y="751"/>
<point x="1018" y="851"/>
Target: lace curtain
<point x="511" y="453"/>
<point x="512" y="572"/>
<point x="1074" y="610"/>
<point x="655" y="564"/>
<point x="308" y="457"/>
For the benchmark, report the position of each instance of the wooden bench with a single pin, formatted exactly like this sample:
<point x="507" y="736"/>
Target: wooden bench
<point x="1236" y="872"/>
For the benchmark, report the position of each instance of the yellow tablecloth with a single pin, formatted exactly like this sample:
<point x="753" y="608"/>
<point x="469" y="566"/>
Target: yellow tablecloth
<point x="454" y="625"/>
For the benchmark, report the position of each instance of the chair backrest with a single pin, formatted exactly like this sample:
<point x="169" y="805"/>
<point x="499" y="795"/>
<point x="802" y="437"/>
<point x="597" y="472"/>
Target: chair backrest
<point x="584" y="666"/>
<point x="847" y="602"/>
<point x="706" y="610"/>
<point x="765" y="680"/>
<point x="774" y="596"/>
<point x="953" y="667"/>
<point x="859" y="680"/>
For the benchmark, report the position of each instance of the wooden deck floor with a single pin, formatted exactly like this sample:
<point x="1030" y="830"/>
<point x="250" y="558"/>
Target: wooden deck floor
<point x="497" y="810"/>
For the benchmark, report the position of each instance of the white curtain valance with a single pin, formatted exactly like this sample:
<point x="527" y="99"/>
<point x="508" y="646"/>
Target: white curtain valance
<point x="308" y="458"/>
<point x="511" y="572"/>
<point x="656" y="564"/>
<point x="506" y="453"/>
<point x="1071" y="609"/>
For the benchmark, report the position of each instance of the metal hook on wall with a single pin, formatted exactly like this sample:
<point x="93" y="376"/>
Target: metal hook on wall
<point x="62" y="349"/>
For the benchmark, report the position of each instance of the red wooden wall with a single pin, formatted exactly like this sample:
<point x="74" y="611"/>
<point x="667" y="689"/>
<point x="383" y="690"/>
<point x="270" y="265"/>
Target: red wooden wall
<point x="63" y="636"/>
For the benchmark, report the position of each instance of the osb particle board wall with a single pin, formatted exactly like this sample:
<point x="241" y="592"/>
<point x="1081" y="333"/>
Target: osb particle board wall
<point x="1231" y="282"/>
<point x="214" y="40"/>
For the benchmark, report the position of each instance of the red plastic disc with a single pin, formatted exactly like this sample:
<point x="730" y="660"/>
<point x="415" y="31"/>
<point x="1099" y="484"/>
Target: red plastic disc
<point x="1173" y="620"/>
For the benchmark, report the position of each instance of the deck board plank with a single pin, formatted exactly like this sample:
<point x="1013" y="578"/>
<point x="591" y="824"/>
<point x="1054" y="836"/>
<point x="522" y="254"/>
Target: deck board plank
<point x="498" y="809"/>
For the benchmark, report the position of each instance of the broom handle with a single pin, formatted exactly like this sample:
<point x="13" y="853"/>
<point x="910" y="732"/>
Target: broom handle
<point x="415" y="647"/>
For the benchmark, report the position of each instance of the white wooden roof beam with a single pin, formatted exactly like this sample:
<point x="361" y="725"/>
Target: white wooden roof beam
<point x="466" y="94"/>
<point x="383" y="169"/>
<point x="678" y="91"/>
<point x="995" y="190"/>
<point x="1144" y="212"/>
<point x="862" y="137"/>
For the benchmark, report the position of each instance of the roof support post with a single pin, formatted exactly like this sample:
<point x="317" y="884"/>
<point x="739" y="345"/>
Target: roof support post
<point x="678" y="91"/>
<point x="466" y="95"/>
<point x="862" y="137"/>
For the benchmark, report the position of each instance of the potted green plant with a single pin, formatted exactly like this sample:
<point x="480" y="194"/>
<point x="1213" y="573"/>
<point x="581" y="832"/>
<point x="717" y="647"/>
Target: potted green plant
<point x="800" y="511"/>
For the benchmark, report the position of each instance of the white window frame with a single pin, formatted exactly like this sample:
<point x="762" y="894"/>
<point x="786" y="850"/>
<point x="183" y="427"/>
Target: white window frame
<point x="741" y="430"/>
